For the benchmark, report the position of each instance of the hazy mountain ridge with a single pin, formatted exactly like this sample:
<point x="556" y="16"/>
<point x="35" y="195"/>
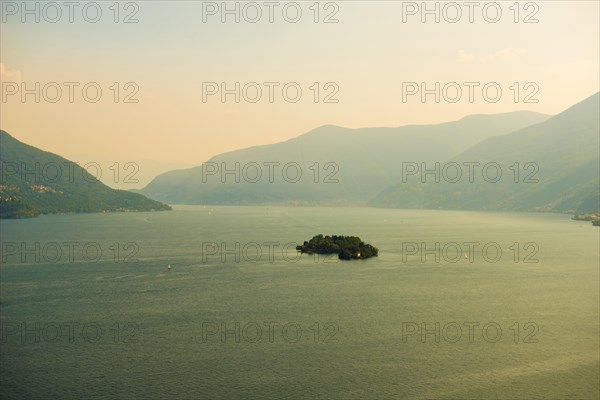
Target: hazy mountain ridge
<point x="33" y="182"/>
<point x="563" y="149"/>
<point x="364" y="162"/>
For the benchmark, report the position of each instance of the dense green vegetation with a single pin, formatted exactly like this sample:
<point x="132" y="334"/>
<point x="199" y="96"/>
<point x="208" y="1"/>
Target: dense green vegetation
<point x="347" y="247"/>
<point x="34" y="182"/>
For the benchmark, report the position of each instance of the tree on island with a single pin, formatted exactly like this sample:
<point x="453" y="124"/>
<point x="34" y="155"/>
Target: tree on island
<point x="347" y="247"/>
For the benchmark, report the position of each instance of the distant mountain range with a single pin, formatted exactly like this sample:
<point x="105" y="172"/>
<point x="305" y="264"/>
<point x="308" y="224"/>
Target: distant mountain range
<point x="558" y="169"/>
<point x="34" y="182"/>
<point x="518" y="161"/>
<point x="338" y="166"/>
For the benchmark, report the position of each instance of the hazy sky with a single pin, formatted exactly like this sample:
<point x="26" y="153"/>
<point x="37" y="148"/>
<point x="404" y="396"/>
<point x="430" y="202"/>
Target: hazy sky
<point x="367" y="57"/>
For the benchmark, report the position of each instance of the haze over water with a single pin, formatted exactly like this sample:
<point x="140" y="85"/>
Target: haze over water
<point x="142" y="331"/>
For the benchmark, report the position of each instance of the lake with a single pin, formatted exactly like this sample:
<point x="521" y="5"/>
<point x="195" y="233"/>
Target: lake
<point x="458" y="305"/>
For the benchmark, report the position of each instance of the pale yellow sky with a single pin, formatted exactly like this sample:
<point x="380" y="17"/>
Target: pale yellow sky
<point x="368" y="57"/>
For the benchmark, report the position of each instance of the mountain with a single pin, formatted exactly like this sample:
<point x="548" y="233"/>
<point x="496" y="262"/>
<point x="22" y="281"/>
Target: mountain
<point x="337" y="165"/>
<point x="33" y="181"/>
<point x="558" y="163"/>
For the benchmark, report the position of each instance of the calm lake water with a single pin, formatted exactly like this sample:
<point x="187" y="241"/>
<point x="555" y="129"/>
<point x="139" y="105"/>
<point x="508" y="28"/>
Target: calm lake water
<point x="238" y="316"/>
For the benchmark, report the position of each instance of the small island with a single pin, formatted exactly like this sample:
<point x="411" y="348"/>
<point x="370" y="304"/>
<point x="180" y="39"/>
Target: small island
<point x="347" y="247"/>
